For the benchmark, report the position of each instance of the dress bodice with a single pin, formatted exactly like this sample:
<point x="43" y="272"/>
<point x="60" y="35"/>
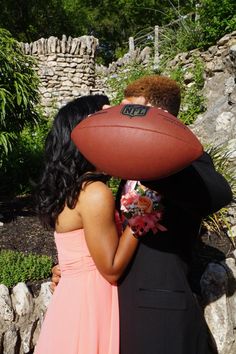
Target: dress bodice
<point x="73" y="253"/>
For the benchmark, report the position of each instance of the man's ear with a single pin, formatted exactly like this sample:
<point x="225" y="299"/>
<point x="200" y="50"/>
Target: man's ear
<point x="135" y="100"/>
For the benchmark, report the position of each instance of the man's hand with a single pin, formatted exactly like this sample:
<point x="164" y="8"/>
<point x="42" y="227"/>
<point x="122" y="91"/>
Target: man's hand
<point x="56" y="275"/>
<point x="106" y="106"/>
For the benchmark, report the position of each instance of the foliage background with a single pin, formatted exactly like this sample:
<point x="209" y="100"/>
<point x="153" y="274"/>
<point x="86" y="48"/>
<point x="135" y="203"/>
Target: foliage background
<point x="22" y="127"/>
<point x="18" y="91"/>
<point x="113" y="21"/>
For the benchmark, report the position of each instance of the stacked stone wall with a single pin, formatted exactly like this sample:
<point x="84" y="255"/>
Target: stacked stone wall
<point x="66" y="68"/>
<point x="21" y="317"/>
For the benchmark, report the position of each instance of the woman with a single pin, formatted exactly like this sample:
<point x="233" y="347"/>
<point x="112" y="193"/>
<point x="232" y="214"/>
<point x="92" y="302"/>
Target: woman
<point x="73" y="198"/>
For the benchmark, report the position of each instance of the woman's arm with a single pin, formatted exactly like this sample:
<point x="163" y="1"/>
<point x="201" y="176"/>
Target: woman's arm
<point x="110" y="252"/>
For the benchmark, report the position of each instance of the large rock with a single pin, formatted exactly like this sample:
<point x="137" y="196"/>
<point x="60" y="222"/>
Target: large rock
<point x="22" y="300"/>
<point x="10" y="341"/>
<point x="6" y="311"/>
<point x="216" y="281"/>
<point x="217" y="126"/>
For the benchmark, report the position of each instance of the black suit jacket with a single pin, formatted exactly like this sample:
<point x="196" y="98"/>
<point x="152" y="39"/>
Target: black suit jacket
<point x="158" y="312"/>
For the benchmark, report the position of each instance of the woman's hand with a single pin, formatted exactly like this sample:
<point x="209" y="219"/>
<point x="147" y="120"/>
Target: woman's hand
<point x="56" y="275"/>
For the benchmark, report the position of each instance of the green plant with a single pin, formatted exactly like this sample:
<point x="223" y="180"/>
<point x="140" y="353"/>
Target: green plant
<point x="113" y="183"/>
<point x="219" y="221"/>
<point x="199" y="29"/>
<point x="23" y="163"/>
<point x="222" y="158"/>
<point x="17" y="267"/>
<point x="179" y="38"/>
<point x="192" y="100"/>
<point x="18" y="91"/>
<point x="215" y="20"/>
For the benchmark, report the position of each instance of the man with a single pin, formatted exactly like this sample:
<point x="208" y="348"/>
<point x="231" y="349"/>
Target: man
<point x="156" y="91"/>
<point x="158" y="312"/>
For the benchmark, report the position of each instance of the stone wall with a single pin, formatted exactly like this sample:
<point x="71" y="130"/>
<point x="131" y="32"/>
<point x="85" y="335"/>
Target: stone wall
<point x="217" y="125"/>
<point x="66" y="68"/>
<point x="103" y="73"/>
<point x="21" y="317"/>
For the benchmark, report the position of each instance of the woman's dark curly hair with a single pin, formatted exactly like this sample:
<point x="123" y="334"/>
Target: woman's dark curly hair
<point x="64" y="166"/>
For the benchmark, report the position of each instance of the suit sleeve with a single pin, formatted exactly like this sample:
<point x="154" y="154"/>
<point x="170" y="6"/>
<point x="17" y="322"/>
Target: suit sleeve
<point x="199" y="188"/>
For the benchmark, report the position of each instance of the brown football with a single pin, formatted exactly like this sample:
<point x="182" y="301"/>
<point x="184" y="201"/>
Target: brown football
<point x="136" y="142"/>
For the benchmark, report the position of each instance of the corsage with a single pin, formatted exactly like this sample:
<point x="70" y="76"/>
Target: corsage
<point x="143" y="210"/>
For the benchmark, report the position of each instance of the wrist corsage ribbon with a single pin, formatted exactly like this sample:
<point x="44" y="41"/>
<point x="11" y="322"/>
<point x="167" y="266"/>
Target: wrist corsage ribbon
<point x="143" y="210"/>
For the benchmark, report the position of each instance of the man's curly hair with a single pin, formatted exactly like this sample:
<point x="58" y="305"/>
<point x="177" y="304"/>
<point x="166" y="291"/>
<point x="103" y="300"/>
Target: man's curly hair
<point x="159" y="91"/>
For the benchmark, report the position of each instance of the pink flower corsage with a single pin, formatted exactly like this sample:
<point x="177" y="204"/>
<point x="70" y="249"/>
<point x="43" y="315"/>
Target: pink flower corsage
<point x="143" y="210"/>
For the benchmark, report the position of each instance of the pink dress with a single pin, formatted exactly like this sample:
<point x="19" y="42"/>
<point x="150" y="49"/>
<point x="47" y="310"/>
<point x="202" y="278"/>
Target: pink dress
<point x="83" y="315"/>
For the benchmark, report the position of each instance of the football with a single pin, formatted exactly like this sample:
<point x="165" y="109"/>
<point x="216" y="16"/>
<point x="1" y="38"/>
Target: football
<point x="136" y="142"/>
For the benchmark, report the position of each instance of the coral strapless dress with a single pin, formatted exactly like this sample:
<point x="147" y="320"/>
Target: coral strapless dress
<point x="83" y="314"/>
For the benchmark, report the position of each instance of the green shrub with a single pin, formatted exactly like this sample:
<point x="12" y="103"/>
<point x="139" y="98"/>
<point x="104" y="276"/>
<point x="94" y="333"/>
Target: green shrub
<point x="219" y="221"/>
<point x="215" y="20"/>
<point x="23" y="163"/>
<point x="192" y="100"/>
<point x="210" y="22"/>
<point x="113" y="183"/>
<point x="223" y="163"/>
<point x="17" y="267"/>
<point x="18" y="91"/>
<point x="181" y="38"/>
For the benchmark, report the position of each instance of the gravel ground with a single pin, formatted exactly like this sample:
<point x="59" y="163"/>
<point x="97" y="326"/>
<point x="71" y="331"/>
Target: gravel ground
<point x="22" y="230"/>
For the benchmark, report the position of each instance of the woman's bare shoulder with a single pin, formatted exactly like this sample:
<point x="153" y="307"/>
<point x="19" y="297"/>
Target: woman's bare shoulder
<point x="96" y="192"/>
